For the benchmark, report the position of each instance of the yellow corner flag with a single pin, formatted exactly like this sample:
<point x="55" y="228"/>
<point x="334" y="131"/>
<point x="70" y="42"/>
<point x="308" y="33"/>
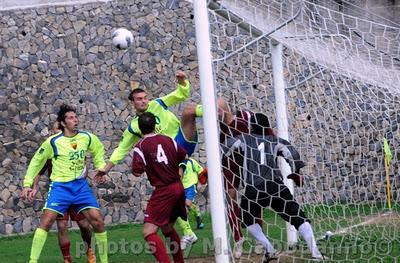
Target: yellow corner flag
<point x="388" y="157"/>
<point x="386" y="150"/>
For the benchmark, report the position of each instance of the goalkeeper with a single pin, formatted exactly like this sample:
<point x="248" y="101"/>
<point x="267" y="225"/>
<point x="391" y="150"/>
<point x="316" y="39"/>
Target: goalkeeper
<point x="193" y="173"/>
<point x="263" y="185"/>
<point x="183" y="131"/>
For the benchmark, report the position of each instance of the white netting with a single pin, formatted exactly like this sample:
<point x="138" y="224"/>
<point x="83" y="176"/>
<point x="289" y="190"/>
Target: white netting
<point x="342" y="77"/>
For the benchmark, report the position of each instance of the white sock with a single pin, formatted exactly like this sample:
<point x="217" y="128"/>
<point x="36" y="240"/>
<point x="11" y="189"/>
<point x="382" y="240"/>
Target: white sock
<point x="307" y="233"/>
<point x="256" y="231"/>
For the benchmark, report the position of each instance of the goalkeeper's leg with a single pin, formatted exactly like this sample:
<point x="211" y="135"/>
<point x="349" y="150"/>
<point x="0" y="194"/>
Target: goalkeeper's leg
<point x="290" y="211"/>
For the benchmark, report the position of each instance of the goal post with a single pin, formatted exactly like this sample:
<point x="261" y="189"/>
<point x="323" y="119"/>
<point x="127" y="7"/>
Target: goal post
<point x="216" y="189"/>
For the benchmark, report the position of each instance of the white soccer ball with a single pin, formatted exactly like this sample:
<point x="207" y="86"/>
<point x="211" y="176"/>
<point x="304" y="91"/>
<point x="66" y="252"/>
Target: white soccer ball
<point x="328" y="235"/>
<point x="122" y="38"/>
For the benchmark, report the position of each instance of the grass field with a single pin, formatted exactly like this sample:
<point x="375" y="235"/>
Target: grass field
<point x="362" y="233"/>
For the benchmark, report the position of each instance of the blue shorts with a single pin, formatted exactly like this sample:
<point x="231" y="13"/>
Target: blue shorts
<point x="190" y="193"/>
<point x="184" y="143"/>
<point x="76" y="194"/>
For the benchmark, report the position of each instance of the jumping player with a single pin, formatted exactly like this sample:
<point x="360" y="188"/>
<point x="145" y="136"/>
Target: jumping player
<point x="159" y="156"/>
<point x="184" y="131"/>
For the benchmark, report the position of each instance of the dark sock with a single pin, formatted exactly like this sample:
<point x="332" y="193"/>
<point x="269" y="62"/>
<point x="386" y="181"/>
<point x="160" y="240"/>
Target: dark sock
<point x="175" y="246"/>
<point x="157" y="248"/>
<point x="65" y="250"/>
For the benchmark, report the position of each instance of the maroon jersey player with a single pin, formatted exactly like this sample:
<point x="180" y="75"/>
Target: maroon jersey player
<point x="159" y="156"/>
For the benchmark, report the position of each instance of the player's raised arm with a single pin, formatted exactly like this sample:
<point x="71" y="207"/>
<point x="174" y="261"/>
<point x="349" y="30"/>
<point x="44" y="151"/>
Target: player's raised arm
<point x="181" y="93"/>
<point x="125" y="145"/>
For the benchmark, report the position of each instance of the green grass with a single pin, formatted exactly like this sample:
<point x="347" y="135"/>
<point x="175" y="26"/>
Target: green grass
<point x="126" y="244"/>
<point x="378" y="242"/>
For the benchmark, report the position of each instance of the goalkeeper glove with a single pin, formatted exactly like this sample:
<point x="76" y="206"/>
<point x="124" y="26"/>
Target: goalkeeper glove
<point x="297" y="179"/>
<point x="203" y="176"/>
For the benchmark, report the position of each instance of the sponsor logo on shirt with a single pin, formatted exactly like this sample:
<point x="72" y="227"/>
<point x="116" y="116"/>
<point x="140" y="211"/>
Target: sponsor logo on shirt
<point x="74" y="145"/>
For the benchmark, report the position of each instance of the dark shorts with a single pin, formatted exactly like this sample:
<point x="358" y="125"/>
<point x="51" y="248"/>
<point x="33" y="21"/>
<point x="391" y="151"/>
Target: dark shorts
<point x="272" y="194"/>
<point x="76" y="194"/>
<point x="189" y="146"/>
<point x="71" y="213"/>
<point x="166" y="204"/>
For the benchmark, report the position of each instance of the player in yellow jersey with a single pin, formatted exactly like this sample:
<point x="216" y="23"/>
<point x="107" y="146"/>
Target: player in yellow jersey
<point x="192" y="171"/>
<point x="69" y="188"/>
<point x="184" y="131"/>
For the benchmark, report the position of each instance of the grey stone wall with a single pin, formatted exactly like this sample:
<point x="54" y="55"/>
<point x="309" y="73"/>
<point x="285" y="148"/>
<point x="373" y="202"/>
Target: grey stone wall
<point x="57" y="54"/>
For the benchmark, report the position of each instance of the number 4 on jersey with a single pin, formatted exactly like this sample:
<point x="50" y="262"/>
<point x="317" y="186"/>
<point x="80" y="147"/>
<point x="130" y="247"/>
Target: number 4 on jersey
<point x="161" y="157"/>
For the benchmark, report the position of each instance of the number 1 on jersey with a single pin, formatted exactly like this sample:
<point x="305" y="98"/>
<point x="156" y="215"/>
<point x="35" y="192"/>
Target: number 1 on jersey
<point x="261" y="148"/>
<point x="161" y="157"/>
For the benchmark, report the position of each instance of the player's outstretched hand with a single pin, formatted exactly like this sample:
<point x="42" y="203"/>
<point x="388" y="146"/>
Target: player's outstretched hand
<point x="100" y="176"/>
<point x="181" y="77"/>
<point x="26" y="193"/>
<point x="297" y="179"/>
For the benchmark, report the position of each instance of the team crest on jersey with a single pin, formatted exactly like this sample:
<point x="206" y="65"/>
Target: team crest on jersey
<point x="74" y="145"/>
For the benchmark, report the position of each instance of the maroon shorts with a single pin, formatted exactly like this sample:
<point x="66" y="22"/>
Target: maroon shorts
<point x="166" y="204"/>
<point x="71" y="213"/>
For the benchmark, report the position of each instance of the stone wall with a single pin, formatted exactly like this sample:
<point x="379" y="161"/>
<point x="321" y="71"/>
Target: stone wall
<point x="57" y="54"/>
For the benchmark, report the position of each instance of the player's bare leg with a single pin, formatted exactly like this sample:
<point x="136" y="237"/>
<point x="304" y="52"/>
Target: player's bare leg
<point x="188" y="122"/>
<point x="63" y="241"/>
<point x="86" y="234"/>
<point x="100" y="234"/>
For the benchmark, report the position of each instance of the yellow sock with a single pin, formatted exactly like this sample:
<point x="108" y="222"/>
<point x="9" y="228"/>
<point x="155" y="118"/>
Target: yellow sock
<point x="102" y="246"/>
<point x="39" y="238"/>
<point x="185" y="226"/>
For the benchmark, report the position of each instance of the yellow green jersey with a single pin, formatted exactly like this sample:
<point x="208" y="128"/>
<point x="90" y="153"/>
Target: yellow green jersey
<point x="167" y="123"/>
<point x="191" y="173"/>
<point x="68" y="155"/>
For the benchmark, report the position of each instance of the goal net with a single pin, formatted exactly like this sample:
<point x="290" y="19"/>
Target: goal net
<point x="342" y="85"/>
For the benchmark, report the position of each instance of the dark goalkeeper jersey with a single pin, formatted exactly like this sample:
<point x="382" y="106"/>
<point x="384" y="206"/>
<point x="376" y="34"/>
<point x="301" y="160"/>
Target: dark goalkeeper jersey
<point x="257" y="157"/>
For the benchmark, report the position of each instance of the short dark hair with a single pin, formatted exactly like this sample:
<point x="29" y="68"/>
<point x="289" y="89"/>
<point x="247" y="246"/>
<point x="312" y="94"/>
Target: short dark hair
<point x="134" y="92"/>
<point x="147" y="122"/>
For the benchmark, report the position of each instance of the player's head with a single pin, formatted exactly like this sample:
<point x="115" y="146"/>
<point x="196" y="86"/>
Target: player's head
<point x="260" y="125"/>
<point x="67" y="118"/>
<point x="147" y="122"/>
<point x="224" y="111"/>
<point x="139" y="100"/>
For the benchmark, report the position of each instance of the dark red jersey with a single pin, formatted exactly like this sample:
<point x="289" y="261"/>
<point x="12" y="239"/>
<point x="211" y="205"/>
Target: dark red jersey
<point x="159" y="156"/>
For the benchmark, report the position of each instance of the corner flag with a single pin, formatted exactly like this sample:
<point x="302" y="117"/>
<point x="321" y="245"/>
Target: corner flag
<point x="387" y="156"/>
<point x="386" y="150"/>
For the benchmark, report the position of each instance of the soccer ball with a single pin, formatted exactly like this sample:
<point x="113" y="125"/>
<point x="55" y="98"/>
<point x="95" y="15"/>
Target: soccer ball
<point x="122" y="38"/>
<point x="328" y="235"/>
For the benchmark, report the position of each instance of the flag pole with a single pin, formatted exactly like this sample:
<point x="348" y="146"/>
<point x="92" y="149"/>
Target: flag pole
<point x="387" y="182"/>
<point x="387" y="154"/>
